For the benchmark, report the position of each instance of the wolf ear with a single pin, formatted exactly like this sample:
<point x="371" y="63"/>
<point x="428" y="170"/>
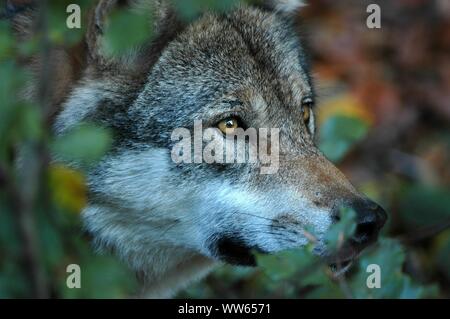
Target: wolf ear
<point x="159" y="11"/>
<point x="289" y="7"/>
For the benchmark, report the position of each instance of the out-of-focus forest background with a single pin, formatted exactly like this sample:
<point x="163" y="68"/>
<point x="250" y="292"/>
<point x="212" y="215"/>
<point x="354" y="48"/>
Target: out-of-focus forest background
<point x="383" y="118"/>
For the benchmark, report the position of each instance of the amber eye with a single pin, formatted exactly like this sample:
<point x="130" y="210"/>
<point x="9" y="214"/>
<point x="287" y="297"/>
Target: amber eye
<point x="306" y="109"/>
<point x="228" y="125"/>
<point x="306" y="114"/>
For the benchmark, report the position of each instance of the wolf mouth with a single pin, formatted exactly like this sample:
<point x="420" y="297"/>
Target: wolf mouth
<point x="235" y="251"/>
<point x="342" y="260"/>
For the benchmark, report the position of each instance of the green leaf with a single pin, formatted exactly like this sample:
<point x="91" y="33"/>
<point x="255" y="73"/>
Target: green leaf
<point x="84" y="144"/>
<point x="28" y="47"/>
<point x="6" y="39"/>
<point x="12" y="79"/>
<point x="282" y="265"/>
<point x="57" y="16"/>
<point x="102" y="276"/>
<point x="342" y="230"/>
<point x="339" y="134"/>
<point x="389" y="255"/>
<point x="125" y="31"/>
<point x="9" y="237"/>
<point x="13" y="282"/>
<point x="51" y="239"/>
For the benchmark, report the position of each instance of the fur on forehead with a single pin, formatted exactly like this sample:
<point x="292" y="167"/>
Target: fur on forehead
<point x="134" y="70"/>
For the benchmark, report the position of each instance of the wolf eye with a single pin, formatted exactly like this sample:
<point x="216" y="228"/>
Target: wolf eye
<point x="307" y="104"/>
<point x="306" y="114"/>
<point x="228" y="125"/>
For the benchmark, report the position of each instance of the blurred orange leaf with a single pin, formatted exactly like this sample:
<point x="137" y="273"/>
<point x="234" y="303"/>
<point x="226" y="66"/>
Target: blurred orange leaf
<point x="346" y="105"/>
<point x="68" y="188"/>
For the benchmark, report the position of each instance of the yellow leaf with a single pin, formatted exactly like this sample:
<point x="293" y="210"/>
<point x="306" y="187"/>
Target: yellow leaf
<point x="68" y="188"/>
<point x="344" y="104"/>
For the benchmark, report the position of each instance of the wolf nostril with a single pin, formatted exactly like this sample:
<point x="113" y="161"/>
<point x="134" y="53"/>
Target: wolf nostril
<point x="370" y="219"/>
<point x="366" y="232"/>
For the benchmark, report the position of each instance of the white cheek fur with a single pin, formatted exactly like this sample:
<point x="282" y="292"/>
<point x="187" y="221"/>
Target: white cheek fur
<point x="161" y="209"/>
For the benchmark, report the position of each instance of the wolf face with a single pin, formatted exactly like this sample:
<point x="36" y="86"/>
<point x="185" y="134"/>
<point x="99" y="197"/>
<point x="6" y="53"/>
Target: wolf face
<point x="248" y="66"/>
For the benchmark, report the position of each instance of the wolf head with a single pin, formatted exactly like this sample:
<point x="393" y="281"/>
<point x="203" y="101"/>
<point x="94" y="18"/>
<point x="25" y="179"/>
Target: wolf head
<point x="247" y="66"/>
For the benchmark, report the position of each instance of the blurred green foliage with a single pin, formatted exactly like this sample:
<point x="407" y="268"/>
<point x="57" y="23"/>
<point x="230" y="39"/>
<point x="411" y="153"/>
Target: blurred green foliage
<point x="343" y="230"/>
<point x="339" y="133"/>
<point x="55" y="214"/>
<point x="84" y="144"/>
<point x="120" y="34"/>
<point x="299" y="273"/>
<point x="56" y="17"/>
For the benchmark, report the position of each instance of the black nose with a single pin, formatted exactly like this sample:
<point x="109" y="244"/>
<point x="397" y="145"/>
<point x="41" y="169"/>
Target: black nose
<point x="370" y="218"/>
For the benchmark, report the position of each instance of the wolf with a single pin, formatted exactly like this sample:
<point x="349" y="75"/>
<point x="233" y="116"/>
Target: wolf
<point x="174" y="222"/>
